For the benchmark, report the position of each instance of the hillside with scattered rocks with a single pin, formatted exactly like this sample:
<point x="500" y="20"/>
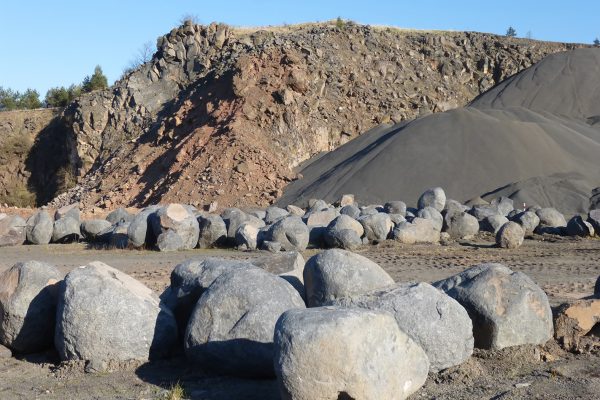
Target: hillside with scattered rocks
<point x="224" y="115"/>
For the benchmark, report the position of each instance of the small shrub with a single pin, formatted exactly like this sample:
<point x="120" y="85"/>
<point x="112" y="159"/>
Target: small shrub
<point x="189" y="19"/>
<point x="340" y="23"/>
<point x="511" y="32"/>
<point x="175" y="393"/>
<point x="95" y="82"/>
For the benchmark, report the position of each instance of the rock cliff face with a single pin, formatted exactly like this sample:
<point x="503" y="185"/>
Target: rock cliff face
<point x="223" y="114"/>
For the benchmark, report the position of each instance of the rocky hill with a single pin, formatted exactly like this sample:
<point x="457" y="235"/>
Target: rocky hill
<point x="223" y="114"/>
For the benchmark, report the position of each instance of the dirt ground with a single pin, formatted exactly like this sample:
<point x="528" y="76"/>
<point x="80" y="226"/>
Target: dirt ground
<point x="565" y="268"/>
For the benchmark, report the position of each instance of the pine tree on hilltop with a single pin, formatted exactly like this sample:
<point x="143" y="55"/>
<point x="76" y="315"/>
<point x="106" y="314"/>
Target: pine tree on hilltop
<point x="96" y="82"/>
<point x="30" y="100"/>
<point x="511" y="32"/>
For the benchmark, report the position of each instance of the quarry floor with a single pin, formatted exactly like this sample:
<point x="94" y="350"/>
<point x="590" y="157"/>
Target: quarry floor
<point x="566" y="268"/>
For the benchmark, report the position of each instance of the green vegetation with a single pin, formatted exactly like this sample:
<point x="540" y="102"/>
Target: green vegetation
<point x="13" y="100"/>
<point x="57" y="96"/>
<point x="97" y="81"/>
<point x="340" y="23"/>
<point x="61" y="96"/>
<point x="597" y="42"/>
<point x="511" y="32"/>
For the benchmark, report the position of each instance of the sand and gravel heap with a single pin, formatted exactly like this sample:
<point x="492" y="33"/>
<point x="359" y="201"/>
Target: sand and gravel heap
<point x="535" y="138"/>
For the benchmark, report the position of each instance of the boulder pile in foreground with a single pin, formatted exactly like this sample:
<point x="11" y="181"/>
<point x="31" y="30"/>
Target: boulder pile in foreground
<point x="345" y="225"/>
<point x="335" y="326"/>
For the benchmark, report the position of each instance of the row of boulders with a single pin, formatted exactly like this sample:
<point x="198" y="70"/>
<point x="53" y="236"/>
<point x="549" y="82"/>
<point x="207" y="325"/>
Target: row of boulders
<point x="346" y="225"/>
<point x="337" y="324"/>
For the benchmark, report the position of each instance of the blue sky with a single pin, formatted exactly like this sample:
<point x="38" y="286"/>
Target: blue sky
<point x="56" y="43"/>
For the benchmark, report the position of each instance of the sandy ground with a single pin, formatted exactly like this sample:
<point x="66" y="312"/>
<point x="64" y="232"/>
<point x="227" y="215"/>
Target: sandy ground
<point x="565" y="268"/>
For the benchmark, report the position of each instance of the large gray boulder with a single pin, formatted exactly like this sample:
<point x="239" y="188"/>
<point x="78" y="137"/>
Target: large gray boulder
<point x="71" y="210"/>
<point x="453" y="207"/>
<point x="294" y="210"/>
<point x="66" y="229"/>
<point x="12" y="230"/>
<point x="93" y="229"/>
<point x="320" y="218"/>
<point x="377" y="227"/>
<point x="420" y="230"/>
<point x="336" y="273"/>
<point x="462" y="226"/>
<point x="28" y="295"/>
<point x="481" y="212"/>
<point x="338" y="353"/>
<point x="346" y="222"/>
<point x="118" y="236"/>
<point x="395" y="207"/>
<point x="104" y="314"/>
<point x="346" y="239"/>
<point x="435" y="197"/>
<point x="246" y="236"/>
<point x="272" y="214"/>
<point x="231" y="328"/>
<point x="317" y="205"/>
<point x="550" y="217"/>
<point x="175" y="220"/>
<point x="504" y="205"/>
<point x="351" y="211"/>
<point x="213" y="232"/>
<point x="433" y="215"/>
<point x="594" y="219"/>
<point x="234" y="217"/>
<point x="577" y="226"/>
<point x="120" y="215"/>
<point x="371" y="209"/>
<point x="288" y="265"/>
<point x="169" y="241"/>
<point x="396" y="219"/>
<point x="139" y="231"/>
<point x="39" y="228"/>
<point x="510" y="236"/>
<point x="493" y="223"/>
<point x="435" y="321"/>
<point x="507" y="308"/>
<point x="291" y="232"/>
<point x="528" y="220"/>
<point x="190" y="279"/>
